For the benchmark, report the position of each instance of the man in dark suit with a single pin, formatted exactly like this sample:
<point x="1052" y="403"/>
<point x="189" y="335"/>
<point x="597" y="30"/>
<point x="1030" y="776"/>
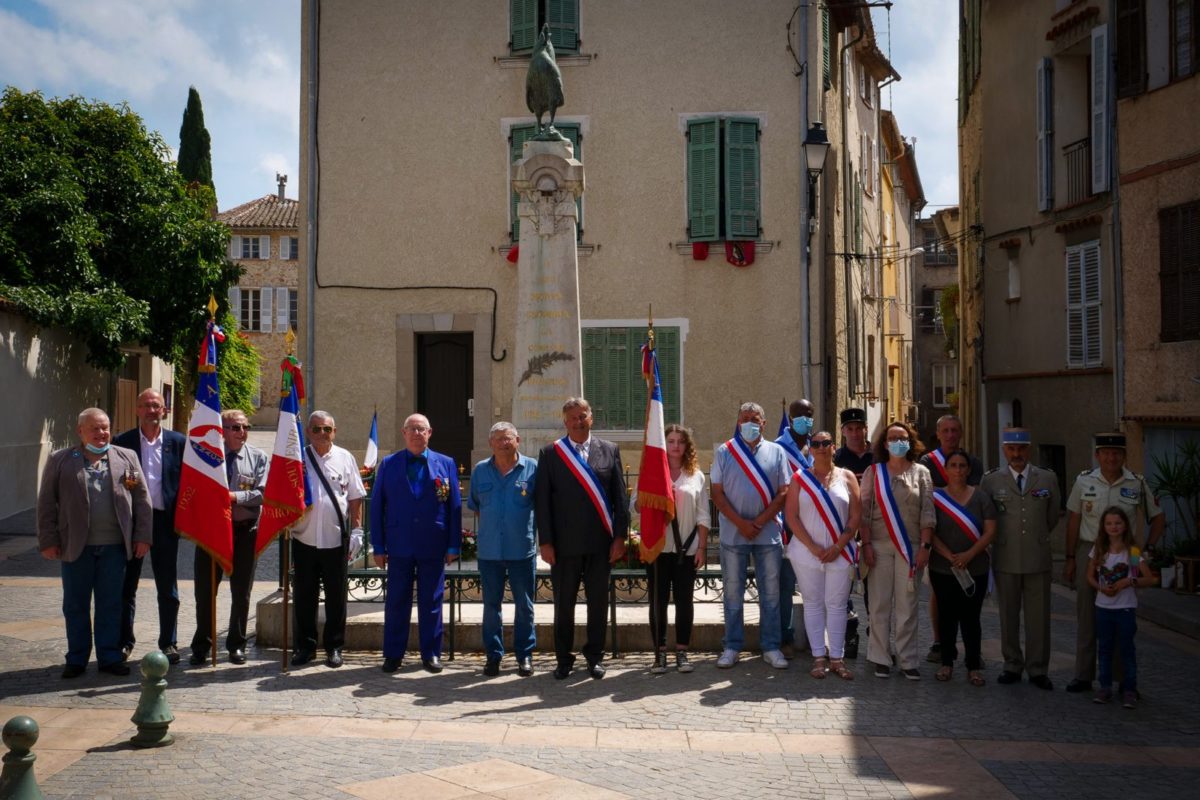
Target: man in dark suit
<point x="161" y="454"/>
<point x="416" y="530"/>
<point x="582" y="516"/>
<point x="93" y="515"/>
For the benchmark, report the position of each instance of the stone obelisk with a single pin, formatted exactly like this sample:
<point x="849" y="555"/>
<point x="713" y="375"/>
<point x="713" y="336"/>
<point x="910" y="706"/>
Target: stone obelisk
<point x="548" y="368"/>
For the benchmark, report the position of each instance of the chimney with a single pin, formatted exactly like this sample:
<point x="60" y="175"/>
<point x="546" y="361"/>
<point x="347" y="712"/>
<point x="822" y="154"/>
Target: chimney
<point x="282" y="180"/>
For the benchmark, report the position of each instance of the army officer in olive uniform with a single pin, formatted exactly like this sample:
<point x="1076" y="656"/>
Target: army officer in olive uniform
<point x="1028" y="502"/>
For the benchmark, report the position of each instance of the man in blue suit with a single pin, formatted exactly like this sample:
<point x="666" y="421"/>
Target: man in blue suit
<point x="416" y="530"/>
<point x="161" y="453"/>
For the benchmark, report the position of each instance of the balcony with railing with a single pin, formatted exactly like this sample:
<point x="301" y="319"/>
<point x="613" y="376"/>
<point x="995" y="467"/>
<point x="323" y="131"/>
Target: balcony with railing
<point x="1078" y="160"/>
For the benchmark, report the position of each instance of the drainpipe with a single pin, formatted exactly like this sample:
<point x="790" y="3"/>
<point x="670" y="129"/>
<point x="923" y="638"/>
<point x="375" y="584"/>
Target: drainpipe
<point x="1114" y="183"/>
<point x="314" y="17"/>
<point x="847" y="204"/>
<point x="805" y="217"/>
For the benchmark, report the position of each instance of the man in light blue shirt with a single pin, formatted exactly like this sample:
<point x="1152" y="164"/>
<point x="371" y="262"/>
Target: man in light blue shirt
<point x="502" y="494"/>
<point x="750" y="477"/>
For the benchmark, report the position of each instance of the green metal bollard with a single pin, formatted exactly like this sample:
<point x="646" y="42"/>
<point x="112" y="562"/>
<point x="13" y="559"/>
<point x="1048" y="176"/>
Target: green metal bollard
<point x="153" y="715"/>
<point x="17" y="781"/>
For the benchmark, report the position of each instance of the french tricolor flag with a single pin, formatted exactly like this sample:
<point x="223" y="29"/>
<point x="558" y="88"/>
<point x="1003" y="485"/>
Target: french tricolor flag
<point x="288" y="492"/>
<point x="656" y="492"/>
<point x="202" y="511"/>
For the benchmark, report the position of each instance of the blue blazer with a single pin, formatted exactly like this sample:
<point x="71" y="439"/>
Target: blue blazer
<point x="172" y="456"/>
<point x="416" y="524"/>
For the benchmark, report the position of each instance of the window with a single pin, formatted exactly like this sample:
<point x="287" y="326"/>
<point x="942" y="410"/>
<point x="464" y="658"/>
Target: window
<point x="612" y="375"/>
<point x="1099" y="110"/>
<point x="254" y="308"/>
<point x="1083" y="305"/>
<point x="250" y="316"/>
<point x="289" y="248"/>
<point x="517" y="136"/>
<point x="723" y="179"/>
<point x="251" y="247"/>
<point x="293" y="310"/>
<point x="1045" y="134"/>
<point x="942" y="382"/>
<point x="1130" y="29"/>
<point x="1014" y="275"/>
<point x="526" y="17"/>
<point x="868" y="165"/>
<point x="863" y="91"/>
<point x="1179" y="271"/>
<point x="826" y="47"/>
<point x="1183" y="38"/>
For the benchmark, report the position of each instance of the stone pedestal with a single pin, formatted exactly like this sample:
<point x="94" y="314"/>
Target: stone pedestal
<point x="548" y="367"/>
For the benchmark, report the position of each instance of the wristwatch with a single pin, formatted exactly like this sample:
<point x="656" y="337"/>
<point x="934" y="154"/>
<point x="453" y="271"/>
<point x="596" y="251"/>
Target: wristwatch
<point x="926" y="545"/>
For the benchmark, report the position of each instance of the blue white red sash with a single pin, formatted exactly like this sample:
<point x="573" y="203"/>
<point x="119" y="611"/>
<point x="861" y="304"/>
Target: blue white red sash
<point x="587" y="478"/>
<point x="939" y="460"/>
<point x="812" y="486"/>
<point x="962" y="518"/>
<point x="795" y="456"/>
<point x="886" y="501"/>
<point x="741" y="453"/>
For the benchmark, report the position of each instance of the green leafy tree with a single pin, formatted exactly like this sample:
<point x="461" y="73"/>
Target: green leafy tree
<point x="238" y="365"/>
<point x="99" y="234"/>
<point x="195" y="145"/>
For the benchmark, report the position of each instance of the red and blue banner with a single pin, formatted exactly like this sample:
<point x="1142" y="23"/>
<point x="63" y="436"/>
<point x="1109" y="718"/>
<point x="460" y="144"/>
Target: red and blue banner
<point x="288" y="493"/>
<point x="655" y="490"/>
<point x="202" y="512"/>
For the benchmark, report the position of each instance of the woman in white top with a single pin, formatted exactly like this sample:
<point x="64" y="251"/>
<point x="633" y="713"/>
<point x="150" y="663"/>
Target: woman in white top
<point x="823" y="513"/>
<point x="684" y="545"/>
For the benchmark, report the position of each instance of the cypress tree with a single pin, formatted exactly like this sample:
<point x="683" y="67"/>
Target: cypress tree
<point x="195" y="145"/>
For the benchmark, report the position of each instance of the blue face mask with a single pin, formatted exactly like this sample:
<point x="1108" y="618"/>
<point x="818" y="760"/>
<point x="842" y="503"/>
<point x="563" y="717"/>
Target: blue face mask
<point x="802" y="425"/>
<point x="98" y="451"/>
<point x="750" y="431"/>
<point x="898" y="449"/>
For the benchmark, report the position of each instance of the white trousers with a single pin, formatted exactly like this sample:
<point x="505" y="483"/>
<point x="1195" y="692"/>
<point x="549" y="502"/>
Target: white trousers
<point x="826" y="592"/>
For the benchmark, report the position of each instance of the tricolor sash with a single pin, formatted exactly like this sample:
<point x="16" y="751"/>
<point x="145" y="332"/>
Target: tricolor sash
<point x="741" y="453"/>
<point x="795" y="456"/>
<point x="886" y="500"/>
<point x="939" y="460"/>
<point x="962" y="518"/>
<point x="587" y="478"/>
<point x="812" y="486"/>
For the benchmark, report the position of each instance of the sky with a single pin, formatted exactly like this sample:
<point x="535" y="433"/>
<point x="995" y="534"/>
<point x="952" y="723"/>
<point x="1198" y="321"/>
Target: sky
<point x="244" y="58"/>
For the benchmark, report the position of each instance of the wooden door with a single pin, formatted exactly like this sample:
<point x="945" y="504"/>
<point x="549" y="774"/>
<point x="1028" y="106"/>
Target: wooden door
<point x="445" y="391"/>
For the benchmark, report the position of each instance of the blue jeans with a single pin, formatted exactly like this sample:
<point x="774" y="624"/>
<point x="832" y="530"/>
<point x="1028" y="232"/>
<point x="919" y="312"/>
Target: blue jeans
<point x="521" y="577"/>
<point x="787" y="594"/>
<point x="1116" y="627"/>
<point x="735" y="563"/>
<point x="99" y="571"/>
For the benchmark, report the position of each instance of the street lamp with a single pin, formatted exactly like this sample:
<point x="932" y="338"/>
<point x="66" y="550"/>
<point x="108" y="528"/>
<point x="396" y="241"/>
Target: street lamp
<point x="816" y="147"/>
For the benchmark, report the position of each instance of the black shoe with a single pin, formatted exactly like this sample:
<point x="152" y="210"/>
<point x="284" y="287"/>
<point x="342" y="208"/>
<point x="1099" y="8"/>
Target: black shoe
<point x="237" y="656"/>
<point x="196" y="659"/>
<point x="1007" y="677"/>
<point x="852" y="646"/>
<point x="116" y="668"/>
<point x="390" y="665"/>
<point x="73" y="670"/>
<point x="492" y="667"/>
<point x="562" y="672"/>
<point x="1042" y="682"/>
<point x="333" y="658"/>
<point x="126" y="652"/>
<point x="525" y="666"/>
<point x="596" y="670"/>
<point x="1076" y="686"/>
<point x="302" y="657"/>
<point x="433" y="665"/>
<point x="172" y="654"/>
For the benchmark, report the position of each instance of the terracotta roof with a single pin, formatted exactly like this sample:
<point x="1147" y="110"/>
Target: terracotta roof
<point x="267" y="211"/>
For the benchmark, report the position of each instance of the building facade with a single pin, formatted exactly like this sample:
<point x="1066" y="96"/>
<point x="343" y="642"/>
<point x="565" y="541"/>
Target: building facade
<point x="265" y="242"/>
<point x="936" y="336"/>
<point x="414" y="114"/>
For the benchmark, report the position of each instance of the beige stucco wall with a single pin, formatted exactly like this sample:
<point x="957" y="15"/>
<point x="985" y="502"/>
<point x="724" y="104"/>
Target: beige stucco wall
<point x="414" y="192"/>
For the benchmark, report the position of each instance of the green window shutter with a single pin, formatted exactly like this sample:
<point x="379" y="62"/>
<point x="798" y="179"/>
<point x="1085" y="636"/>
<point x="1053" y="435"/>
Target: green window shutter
<point x="616" y="376"/>
<point x="522" y="25"/>
<point x="667" y="347"/>
<point x="826" y="72"/>
<point x="517" y="136"/>
<point x="703" y="179"/>
<point x="594" y="343"/>
<point x="741" y="179"/>
<point x="563" y="18"/>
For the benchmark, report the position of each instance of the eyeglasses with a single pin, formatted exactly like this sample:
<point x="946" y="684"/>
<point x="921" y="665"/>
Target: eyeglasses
<point x="897" y="438"/>
<point x="321" y="429"/>
<point x="819" y="444"/>
<point x="417" y="429"/>
<point x="237" y="427"/>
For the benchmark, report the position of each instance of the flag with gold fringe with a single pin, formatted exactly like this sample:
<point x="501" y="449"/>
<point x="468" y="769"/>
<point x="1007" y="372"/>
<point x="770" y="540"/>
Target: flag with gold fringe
<point x="655" y="490"/>
<point x="288" y="493"/>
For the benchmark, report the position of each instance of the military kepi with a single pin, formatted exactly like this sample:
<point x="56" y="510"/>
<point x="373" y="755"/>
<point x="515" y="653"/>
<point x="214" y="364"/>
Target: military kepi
<point x="1110" y="440"/>
<point x="1014" y="436"/>
<point x="849" y="415"/>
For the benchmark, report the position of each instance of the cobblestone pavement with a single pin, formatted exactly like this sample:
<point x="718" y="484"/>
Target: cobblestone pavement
<point x="254" y="732"/>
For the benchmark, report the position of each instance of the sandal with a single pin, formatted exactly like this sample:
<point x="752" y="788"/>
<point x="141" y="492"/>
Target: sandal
<point x="945" y="673"/>
<point x="838" y="667"/>
<point x="975" y="677"/>
<point x="820" y="667"/>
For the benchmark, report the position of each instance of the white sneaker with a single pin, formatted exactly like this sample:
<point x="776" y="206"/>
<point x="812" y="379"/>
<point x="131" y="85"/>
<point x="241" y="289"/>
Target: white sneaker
<point x="776" y="659"/>
<point x="728" y="659"/>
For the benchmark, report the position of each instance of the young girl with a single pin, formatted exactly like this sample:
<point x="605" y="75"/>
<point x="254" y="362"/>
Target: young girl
<point x="1115" y="574"/>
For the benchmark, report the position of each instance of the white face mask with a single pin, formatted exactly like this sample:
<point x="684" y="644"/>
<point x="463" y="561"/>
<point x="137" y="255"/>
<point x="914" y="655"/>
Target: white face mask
<point x="898" y="449"/>
<point x="750" y="431"/>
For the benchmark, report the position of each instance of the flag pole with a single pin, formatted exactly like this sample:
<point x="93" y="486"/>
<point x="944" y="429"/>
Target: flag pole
<point x="212" y="605"/>
<point x="658" y="611"/>
<point x="287" y="553"/>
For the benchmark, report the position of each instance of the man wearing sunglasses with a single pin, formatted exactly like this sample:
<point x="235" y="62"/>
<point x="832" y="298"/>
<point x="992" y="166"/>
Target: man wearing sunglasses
<point x="246" y="472"/>
<point x="323" y="539"/>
